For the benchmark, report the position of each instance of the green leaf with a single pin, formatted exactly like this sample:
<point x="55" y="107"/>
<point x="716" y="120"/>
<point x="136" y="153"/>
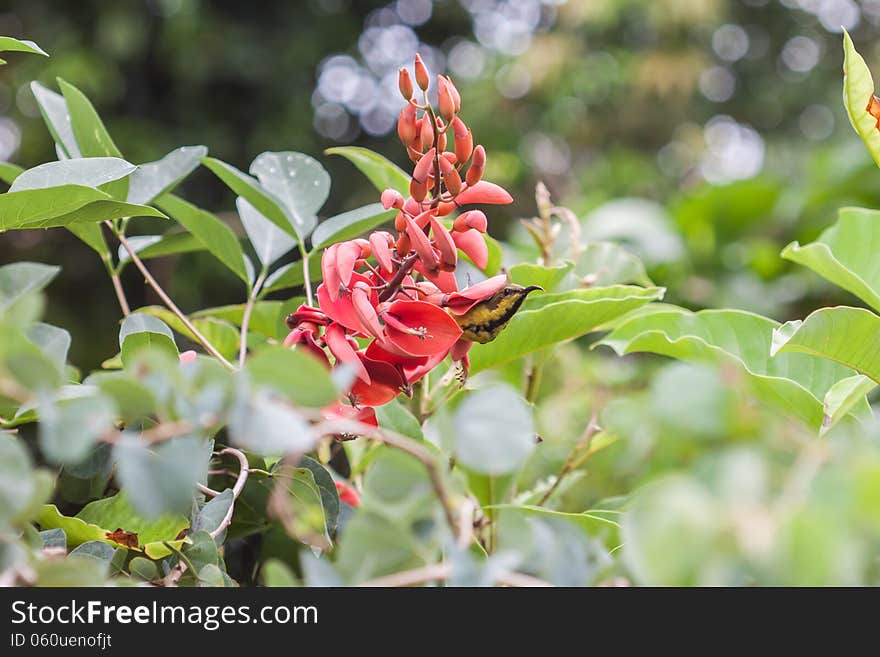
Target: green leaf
<point x="858" y="89"/>
<point x="266" y="203"/>
<point x="845" y="396"/>
<point x="9" y="172"/>
<point x="215" y="235"/>
<point x="291" y="275"/>
<point x="85" y="172"/>
<point x="845" y="253"/>
<point x="549" y="278"/>
<point x="69" y="428"/>
<point x="90" y="133"/>
<point x="134" y="400"/>
<point x="202" y="551"/>
<point x="97" y="550"/>
<point x="379" y="170"/>
<point x="305" y="516"/>
<point x="607" y="263"/>
<point x="53" y="341"/>
<point x="93" y="236"/>
<point x="8" y="44"/>
<point x="299" y="181"/>
<point x="262" y="423"/>
<point x="327" y="488"/>
<point x="154" y="179"/>
<point x="263" y="315"/>
<point x="397" y="417"/>
<point x="143" y="569"/>
<point x="218" y="332"/>
<point x="850" y="336"/>
<point x="274" y="573"/>
<point x="494" y="431"/>
<point x="63" y="206"/>
<point x="154" y="246"/>
<point x="17" y="484"/>
<point x="794" y="383"/>
<point x="349" y="225"/>
<point x="211" y="515"/>
<point x="162" y="479"/>
<point x="295" y="374"/>
<point x="53" y="107"/>
<point x="19" y="279"/>
<point x="89" y="130"/>
<point x="594" y="525"/>
<point x="548" y="319"/>
<point x="101" y="517"/>
<point x="140" y="331"/>
<point x="269" y="241"/>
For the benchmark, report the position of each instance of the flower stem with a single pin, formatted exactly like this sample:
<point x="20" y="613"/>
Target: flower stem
<point x="153" y="283"/>
<point x="307" y="283"/>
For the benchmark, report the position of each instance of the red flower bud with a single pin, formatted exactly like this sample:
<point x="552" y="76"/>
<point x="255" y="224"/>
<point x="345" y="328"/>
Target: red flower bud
<point x="381" y="243"/>
<point x="406" y="125"/>
<point x="456" y="97"/>
<point x="403" y="244"/>
<point x="404" y="83"/>
<point x="391" y="198"/>
<point x="422" y="245"/>
<point x="347" y="494"/>
<point x="450" y="176"/>
<point x="423" y="168"/>
<point x="400" y="222"/>
<point x="423" y="79"/>
<point x="445" y="102"/>
<point x="478" y="166"/>
<point x="470" y="219"/>
<point x="426" y="133"/>
<point x="418" y="190"/>
<point x="464" y="140"/>
<point x="484" y="192"/>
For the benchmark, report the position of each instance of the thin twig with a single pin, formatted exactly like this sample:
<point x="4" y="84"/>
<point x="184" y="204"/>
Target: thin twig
<point x="210" y="492"/>
<point x="402" y="271"/>
<point x="169" y="303"/>
<point x="466" y="523"/>
<point x="404" y="444"/>
<point x="246" y="316"/>
<point x="236" y="489"/>
<point x="571" y="462"/>
<point x="433" y="572"/>
<point x="117" y="286"/>
<point x="439" y="572"/>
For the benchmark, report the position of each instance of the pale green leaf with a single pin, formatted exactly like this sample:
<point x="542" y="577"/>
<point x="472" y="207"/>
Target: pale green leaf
<point x="349" y="225"/>
<point x="380" y="171"/>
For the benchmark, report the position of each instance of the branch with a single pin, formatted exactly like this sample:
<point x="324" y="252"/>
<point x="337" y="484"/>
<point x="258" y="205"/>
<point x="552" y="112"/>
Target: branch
<point x="169" y="303"/>
<point x="570" y="463"/>
<point x="243" y="472"/>
<point x="117" y="285"/>
<point x="402" y="271"/>
<point x="441" y="572"/>
<point x="307" y="283"/>
<point x="246" y="316"/>
<point x="404" y="444"/>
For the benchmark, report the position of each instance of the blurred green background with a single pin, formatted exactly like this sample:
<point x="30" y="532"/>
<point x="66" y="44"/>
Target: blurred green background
<point x="705" y="133"/>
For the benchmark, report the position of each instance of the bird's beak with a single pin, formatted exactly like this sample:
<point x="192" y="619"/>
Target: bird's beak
<point x="532" y="288"/>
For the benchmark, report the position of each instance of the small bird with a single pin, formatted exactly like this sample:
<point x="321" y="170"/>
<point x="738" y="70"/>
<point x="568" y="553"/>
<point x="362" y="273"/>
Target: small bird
<point x="483" y="322"/>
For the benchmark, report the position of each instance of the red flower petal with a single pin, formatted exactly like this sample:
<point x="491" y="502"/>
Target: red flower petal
<point x="330" y="272"/>
<point x="422" y="245"/>
<point x="484" y="192"/>
<point x="443" y="240"/>
<point x="341" y="309"/>
<point x="341" y="348"/>
<point x="385" y="384"/>
<point x="420" y="328"/>
<point x="460" y="302"/>
<point x="379" y="243"/>
<point x="472" y="243"/>
<point x="364" y="309"/>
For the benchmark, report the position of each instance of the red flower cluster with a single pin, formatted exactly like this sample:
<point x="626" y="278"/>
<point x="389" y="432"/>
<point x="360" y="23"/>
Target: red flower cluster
<point x="398" y="293"/>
